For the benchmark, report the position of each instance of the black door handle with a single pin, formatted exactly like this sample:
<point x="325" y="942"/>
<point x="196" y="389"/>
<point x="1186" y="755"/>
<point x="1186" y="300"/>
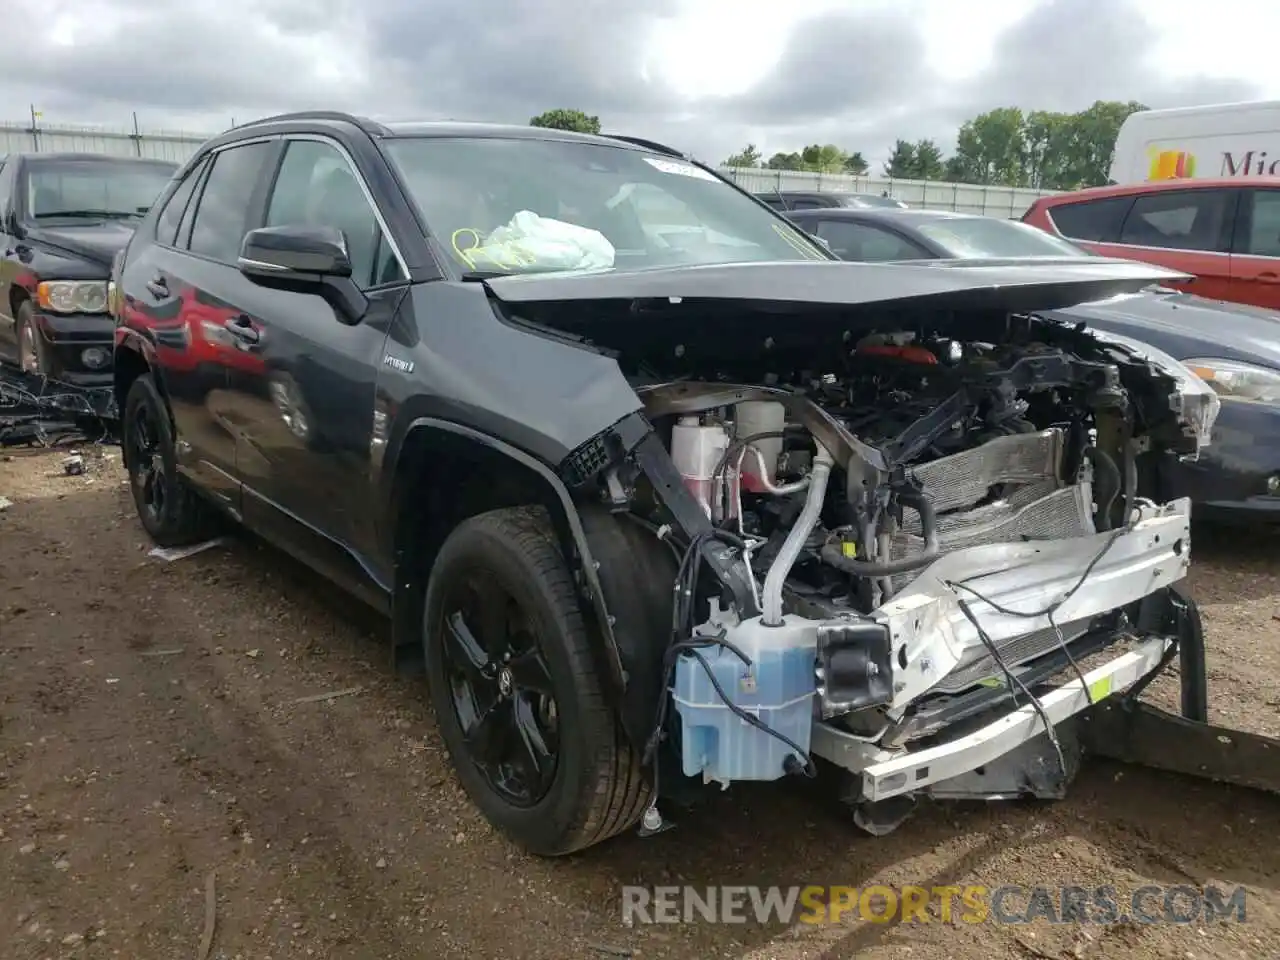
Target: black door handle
<point x="243" y="328"/>
<point x="158" y="287"/>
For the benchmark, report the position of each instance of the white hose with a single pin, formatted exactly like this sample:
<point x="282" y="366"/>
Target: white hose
<point x="791" y="547"/>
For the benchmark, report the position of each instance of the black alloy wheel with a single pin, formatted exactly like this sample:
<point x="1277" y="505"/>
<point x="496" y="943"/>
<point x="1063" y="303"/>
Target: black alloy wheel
<point x="171" y="513"/>
<point x="500" y="688"/>
<point x="146" y="466"/>
<point x="533" y="736"/>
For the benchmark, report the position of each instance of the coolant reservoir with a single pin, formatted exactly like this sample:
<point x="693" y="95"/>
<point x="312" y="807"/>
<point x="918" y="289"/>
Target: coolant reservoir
<point x="696" y="450"/>
<point x="760" y="416"/>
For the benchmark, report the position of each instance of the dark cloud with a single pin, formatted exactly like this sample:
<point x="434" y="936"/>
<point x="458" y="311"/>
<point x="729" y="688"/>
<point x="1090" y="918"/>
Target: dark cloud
<point x="860" y="78"/>
<point x="197" y="57"/>
<point x="839" y="64"/>
<point x="1065" y="54"/>
<point x="505" y="60"/>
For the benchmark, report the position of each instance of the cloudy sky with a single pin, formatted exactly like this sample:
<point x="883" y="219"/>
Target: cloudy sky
<point x="704" y="75"/>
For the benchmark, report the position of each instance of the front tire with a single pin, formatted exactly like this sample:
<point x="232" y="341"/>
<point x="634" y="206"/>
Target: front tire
<point x="534" y="741"/>
<point x="172" y="514"/>
<point x="32" y="358"/>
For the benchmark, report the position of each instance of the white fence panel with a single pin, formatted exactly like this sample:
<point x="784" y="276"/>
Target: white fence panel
<point x="994" y="201"/>
<point x="17" y="137"/>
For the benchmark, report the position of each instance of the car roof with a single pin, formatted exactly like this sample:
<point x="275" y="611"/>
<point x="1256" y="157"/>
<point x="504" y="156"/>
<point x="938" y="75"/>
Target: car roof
<point x="340" y="122"/>
<point x="1156" y="186"/>
<point x="814" y="193"/>
<point x="906" y="215"/>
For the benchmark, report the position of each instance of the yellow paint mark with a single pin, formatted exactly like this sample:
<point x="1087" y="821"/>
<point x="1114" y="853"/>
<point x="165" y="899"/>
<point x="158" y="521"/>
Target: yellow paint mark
<point x="1100" y="689"/>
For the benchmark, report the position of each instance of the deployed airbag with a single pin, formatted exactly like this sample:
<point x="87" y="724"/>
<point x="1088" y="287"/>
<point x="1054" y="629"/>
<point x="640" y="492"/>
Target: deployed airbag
<point x="531" y="242"/>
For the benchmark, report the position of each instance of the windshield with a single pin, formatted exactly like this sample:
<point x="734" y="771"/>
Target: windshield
<point x="524" y="205"/>
<point x="93" y="188"/>
<point x="987" y="237"/>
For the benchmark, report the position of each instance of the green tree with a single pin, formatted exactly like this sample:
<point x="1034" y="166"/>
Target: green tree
<point x="1048" y="139"/>
<point x="785" y="161"/>
<point x="901" y="164"/>
<point x="749" y="157"/>
<point x="927" y="163"/>
<point x="1095" y="130"/>
<point x="822" y="158"/>
<point x="953" y="171"/>
<point x="562" y="119"/>
<point x="1043" y="149"/>
<point x="992" y="147"/>
<point x="856" y="164"/>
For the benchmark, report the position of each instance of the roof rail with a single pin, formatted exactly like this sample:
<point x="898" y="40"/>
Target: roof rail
<point x="368" y="126"/>
<point x="649" y="145"/>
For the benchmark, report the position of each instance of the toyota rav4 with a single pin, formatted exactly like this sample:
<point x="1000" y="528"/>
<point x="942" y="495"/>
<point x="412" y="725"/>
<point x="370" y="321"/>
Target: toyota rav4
<point x="664" y="494"/>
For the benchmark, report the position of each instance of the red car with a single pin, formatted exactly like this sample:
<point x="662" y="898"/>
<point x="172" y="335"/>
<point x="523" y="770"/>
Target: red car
<point x="1223" y="231"/>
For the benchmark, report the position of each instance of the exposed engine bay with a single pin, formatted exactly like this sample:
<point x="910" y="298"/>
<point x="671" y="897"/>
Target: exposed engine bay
<point x="908" y="513"/>
<point x="847" y="493"/>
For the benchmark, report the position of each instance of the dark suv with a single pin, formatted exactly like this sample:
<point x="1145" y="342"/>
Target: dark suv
<point x="63" y="216"/>
<point x="578" y="413"/>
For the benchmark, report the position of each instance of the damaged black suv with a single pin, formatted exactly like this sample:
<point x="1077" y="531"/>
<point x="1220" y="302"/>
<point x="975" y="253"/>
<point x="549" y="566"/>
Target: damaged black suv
<point x="665" y="494"/>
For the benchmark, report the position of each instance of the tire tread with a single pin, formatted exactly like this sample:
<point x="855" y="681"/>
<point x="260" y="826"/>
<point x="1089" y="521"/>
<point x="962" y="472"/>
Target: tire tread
<point x="622" y="791"/>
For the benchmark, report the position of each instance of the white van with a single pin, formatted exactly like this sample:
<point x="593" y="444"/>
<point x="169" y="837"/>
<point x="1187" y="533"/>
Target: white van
<point x="1222" y="140"/>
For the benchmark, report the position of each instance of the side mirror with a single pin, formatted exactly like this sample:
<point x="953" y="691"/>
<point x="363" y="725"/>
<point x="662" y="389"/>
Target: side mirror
<point x="304" y="259"/>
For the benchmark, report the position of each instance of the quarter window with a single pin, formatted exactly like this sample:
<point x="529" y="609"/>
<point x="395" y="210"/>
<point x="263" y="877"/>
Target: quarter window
<point x="222" y="218"/>
<point x="317" y="187"/>
<point x="171" y="215"/>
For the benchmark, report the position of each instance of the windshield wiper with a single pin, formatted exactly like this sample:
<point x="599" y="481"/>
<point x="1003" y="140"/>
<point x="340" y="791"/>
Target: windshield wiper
<point x="479" y="276"/>
<point x="88" y="214"/>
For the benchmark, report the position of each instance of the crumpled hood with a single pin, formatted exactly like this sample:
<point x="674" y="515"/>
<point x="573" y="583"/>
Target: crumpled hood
<point x="1013" y="288"/>
<point x="97" y="243"/>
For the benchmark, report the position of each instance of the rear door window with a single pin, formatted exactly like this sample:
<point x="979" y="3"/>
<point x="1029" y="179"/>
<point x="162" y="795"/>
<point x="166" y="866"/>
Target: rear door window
<point x="1096" y="221"/>
<point x="222" y="217"/>
<point x="860" y="241"/>
<point x="1179" y="220"/>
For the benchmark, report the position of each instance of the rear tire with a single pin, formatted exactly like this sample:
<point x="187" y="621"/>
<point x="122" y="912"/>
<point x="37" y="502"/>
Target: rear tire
<point x="598" y="787"/>
<point x="171" y="513"/>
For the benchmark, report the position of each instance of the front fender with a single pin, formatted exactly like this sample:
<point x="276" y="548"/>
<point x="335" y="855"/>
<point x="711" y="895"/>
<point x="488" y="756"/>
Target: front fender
<point x="575" y="544"/>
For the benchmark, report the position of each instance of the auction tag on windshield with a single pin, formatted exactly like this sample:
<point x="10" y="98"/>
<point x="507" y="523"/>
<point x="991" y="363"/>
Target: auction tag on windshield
<point x="679" y="169"/>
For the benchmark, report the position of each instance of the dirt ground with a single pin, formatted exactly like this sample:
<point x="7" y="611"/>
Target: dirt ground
<point x="152" y="735"/>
